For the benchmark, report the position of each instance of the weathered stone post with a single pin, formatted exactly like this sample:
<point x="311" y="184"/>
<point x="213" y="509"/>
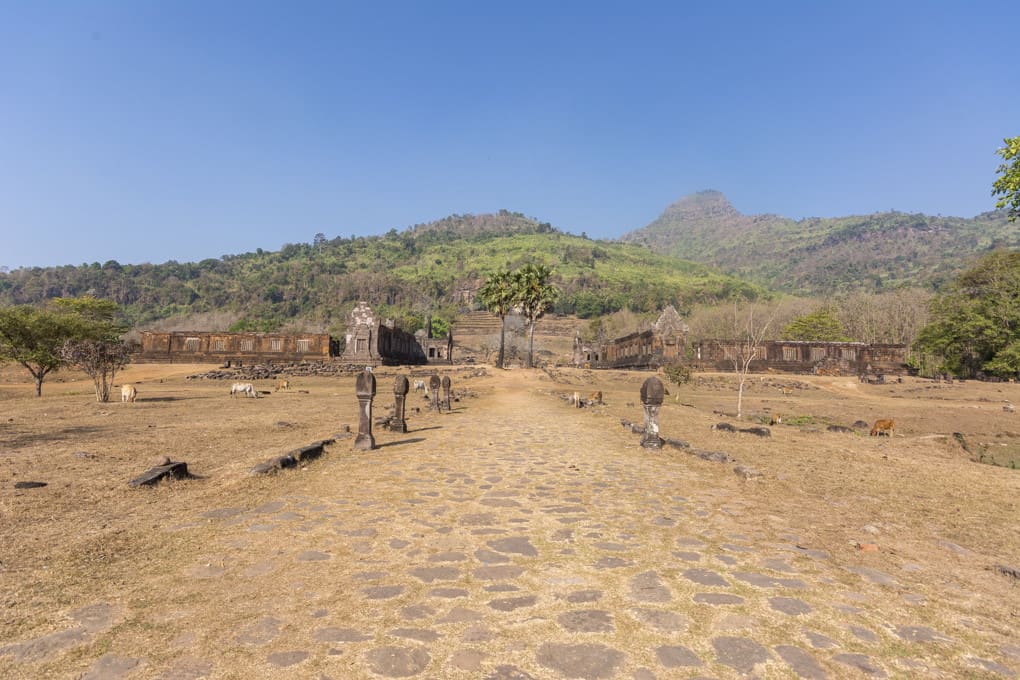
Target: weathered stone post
<point x="651" y="398"/>
<point x="434" y="393"/>
<point x="365" y="389"/>
<point x="446" y="393"/>
<point x="400" y="388"/>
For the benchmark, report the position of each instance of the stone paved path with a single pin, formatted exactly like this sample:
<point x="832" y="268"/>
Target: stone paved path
<point x="527" y="550"/>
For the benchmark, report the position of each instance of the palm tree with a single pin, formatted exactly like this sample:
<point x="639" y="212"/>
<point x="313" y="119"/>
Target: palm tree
<point x="497" y="294"/>
<point x="534" y="297"/>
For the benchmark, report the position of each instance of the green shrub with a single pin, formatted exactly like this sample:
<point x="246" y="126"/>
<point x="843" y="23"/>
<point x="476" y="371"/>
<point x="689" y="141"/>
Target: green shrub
<point x="677" y="373"/>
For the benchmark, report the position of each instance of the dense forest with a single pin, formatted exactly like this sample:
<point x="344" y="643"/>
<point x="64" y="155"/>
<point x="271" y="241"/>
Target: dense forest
<point x="405" y="275"/>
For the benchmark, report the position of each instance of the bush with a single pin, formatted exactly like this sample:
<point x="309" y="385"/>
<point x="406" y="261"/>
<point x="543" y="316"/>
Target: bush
<point x="677" y="373"/>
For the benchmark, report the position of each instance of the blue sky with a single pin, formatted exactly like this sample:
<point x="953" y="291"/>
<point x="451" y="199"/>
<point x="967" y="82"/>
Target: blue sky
<point x="148" y="131"/>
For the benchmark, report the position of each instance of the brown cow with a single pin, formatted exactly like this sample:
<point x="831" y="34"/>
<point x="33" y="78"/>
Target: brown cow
<point x="596" y="397"/>
<point x="282" y="384"/>
<point x="882" y="427"/>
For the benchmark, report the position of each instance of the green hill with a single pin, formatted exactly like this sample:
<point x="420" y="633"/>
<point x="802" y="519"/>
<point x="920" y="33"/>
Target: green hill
<point x="428" y="268"/>
<point x="816" y="256"/>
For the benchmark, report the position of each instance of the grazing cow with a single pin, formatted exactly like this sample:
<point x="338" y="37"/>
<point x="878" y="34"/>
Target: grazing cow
<point x="882" y="427"/>
<point x="244" y="389"/>
<point x="282" y="384"/>
<point x="776" y="419"/>
<point x="596" y="397"/>
<point x="128" y="393"/>
<point x="419" y="386"/>
<point x="787" y="391"/>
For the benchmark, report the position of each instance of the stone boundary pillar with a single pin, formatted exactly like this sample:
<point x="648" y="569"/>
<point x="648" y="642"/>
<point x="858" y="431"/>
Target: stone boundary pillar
<point x="365" y="389"/>
<point x="651" y="398"/>
<point x="434" y="384"/>
<point x="446" y="393"/>
<point x="401" y="386"/>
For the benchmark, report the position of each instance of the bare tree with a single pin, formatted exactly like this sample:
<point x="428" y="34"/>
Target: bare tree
<point x="750" y="327"/>
<point x="100" y="359"/>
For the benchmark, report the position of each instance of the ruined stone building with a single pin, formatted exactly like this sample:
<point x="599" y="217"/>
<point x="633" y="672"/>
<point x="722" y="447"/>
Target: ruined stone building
<point x="437" y="350"/>
<point x="369" y="341"/>
<point x="664" y="342"/>
<point x="805" y="356"/>
<point x="667" y="341"/>
<point x="192" y="347"/>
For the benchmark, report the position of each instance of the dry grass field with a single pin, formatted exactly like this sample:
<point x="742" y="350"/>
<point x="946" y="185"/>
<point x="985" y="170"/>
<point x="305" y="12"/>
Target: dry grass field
<point x="324" y="571"/>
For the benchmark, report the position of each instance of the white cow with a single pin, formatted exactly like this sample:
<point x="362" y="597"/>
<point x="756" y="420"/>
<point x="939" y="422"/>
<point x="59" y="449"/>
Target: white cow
<point x="244" y="389"/>
<point x="128" y="393"/>
<point x="419" y="386"/>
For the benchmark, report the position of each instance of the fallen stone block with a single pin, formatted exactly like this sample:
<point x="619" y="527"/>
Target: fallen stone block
<point x="714" y="456"/>
<point x="840" y="428"/>
<point x="274" y="464"/>
<point x="29" y="485"/>
<point x="724" y="427"/>
<point x="757" y="431"/>
<point x="156" y="474"/>
<point x="676" y="443"/>
<point x="311" y="451"/>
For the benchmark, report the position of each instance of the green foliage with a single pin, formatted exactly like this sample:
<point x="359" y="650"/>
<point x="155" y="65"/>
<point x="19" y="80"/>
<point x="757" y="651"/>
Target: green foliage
<point x="820" y="325"/>
<point x="498" y="295"/>
<point x="678" y="373"/>
<point x="822" y="256"/>
<point x="440" y="327"/>
<point x="976" y="322"/>
<point x="420" y="269"/>
<point x="534" y="295"/>
<point x="1008" y="185"/>
<point x="34" y="337"/>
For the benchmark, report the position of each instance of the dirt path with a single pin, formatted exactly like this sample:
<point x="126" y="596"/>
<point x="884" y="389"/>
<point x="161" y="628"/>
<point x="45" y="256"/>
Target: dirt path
<point x="514" y="538"/>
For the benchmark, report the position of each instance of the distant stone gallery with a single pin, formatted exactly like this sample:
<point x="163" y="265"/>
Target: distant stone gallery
<point x="667" y="341"/>
<point x="368" y="341"/>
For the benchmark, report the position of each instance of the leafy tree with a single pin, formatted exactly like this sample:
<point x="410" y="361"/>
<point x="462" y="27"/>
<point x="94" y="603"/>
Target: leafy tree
<point x="820" y="325"/>
<point x="1008" y="186"/>
<point x="34" y="337"/>
<point x="678" y="374"/>
<point x="976" y="323"/>
<point x="100" y="359"/>
<point x="497" y="294"/>
<point x="440" y="327"/>
<point x="534" y="296"/>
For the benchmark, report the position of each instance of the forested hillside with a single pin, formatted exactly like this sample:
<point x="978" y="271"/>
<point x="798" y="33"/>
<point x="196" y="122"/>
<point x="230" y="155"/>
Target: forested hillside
<point x="408" y="274"/>
<point x="819" y="256"/>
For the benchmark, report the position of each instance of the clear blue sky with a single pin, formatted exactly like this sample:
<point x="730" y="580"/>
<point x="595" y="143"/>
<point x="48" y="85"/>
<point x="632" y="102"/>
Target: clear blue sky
<point x="144" y="131"/>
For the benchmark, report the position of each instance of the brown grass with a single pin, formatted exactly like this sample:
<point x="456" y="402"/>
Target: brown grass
<point x="87" y="537"/>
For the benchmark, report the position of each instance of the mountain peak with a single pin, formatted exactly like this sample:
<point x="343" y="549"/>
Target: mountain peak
<point x="709" y="203"/>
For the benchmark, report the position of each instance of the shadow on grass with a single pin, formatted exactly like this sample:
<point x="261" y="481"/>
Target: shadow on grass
<point x="413" y="440"/>
<point x="19" y="440"/>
